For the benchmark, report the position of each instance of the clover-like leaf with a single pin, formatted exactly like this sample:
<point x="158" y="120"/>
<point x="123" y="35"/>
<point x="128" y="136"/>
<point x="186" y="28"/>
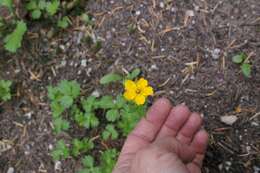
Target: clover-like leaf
<point x="13" y="41"/>
<point x="238" y="59"/>
<point x="133" y="74"/>
<point x="112" y="77"/>
<point x="112" y="115"/>
<point x="246" y="69"/>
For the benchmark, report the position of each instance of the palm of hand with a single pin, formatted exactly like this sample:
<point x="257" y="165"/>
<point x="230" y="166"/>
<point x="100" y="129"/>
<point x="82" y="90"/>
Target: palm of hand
<point x="168" y="140"/>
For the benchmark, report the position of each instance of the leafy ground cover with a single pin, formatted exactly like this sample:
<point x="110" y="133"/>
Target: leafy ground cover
<point x="54" y="53"/>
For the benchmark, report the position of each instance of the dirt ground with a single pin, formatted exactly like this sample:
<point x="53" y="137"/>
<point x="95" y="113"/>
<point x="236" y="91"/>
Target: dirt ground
<point x="184" y="48"/>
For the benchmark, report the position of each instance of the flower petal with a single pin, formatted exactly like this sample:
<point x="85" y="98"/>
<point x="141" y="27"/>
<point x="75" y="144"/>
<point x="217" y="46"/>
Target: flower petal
<point x="130" y="85"/>
<point x="141" y="83"/>
<point x="147" y="91"/>
<point x="139" y="99"/>
<point x="129" y="95"/>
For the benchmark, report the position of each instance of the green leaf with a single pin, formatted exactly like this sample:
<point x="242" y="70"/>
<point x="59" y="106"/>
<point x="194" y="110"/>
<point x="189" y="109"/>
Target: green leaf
<point x="5" y="90"/>
<point x="108" y="160"/>
<point x="110" y="78"/>
<point x="86" y="18"/>
<point x="89" y="104"/>
<point x="13" y="40"/>
<point x="61" y="151"/>
<point x="91" y="121"/>
<point x="79" y="146"/>
<point x="120" y="101"/>
<point x="60" y="125"/>
<point x="246" y="69"/>
<point x="53" y="93"/>
<point x="112" y="115"/>
<point x="133" y="74"/>
<point x="71" y="88"/>
<point x="239" y="58"/>
<point x="64" y="22"/>
<point x="66" y="101"/>
<point x="106" y="102"/>
<point x="42" y="4"/>
<point x="32" y="5"/>
<point x="7" y="3"/>
<point x="57" y="109"/>
<point x="52" y="7"/>
<point x="88" y="161"/>
<point x="110" y="131"/>
<point x="36" y="14"/>
<point x="130" y="116"/>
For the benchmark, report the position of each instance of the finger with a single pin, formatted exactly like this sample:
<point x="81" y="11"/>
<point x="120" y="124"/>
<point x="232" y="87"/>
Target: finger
<point x="193" y="168"/>
<point x="199" y="145"/>
<point x="147" y="129"/>
<point x="190" y="128"/>
<point x="177" y="118"/>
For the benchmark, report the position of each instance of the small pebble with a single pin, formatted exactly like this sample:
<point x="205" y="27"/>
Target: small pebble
<point x="63" y="63"/>
<point x="190" y="13"/>
<point x="62" y="47"/>
<point x="50" y="147"/>
<point x="138" y="13"/>
<point x="215" y="53"/>
<point x="153" y="67"/>
<point x="96" y="93"/>
<point x="254" y="123"/>
<point x="84" y="63"/>
<point x="256" y="169"/>
<point x="17" y="71"/>
<point x="161" y="5"/>
<point x="57" y="166"/>
<point x="10" y="170"/>
<point x="229" y="119"/>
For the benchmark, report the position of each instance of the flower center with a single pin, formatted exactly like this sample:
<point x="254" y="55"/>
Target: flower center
<point x="138" y="91"/>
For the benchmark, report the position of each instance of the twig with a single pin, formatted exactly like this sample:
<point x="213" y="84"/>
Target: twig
<point x="254" y="116"/>
<point x="165" y="83"/>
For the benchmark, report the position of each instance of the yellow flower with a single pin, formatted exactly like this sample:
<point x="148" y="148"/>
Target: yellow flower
<point x="137" y="91"/>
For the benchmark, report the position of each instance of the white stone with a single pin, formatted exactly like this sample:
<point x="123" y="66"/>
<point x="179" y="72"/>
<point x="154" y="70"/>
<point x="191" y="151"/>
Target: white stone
<point x="57" y="165"/>
<point x="161" y="4"/>
<point x="96" y="93"/>
<point x="215" y="53"/>
<point x="83" y="63"/>
<point x="10" y="170"/>
<point x="154" y="67"/>
<point x="50" y="147"/>
<point x="229" y="119"/>
<point x="190" y="13"/>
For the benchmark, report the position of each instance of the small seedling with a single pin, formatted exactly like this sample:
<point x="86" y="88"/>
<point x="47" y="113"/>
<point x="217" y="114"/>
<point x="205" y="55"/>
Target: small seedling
<point x="86" y="19"/>
<point x="64" y="22"/>
<point x="62" y="96"/>
<point x="245" y="67"/>
<point x="89" y="165"/>
<point x="80" y="146"/>
<point x="52" y="7"/>
<point x="13" y="41"/>
<point x="61" y="151"/>
<point x="60" y="125"/>
<point x="5" y="90"/>
<point x="132" y="28"/>
<point x="108" y="160"/>
<point x="110" y="132"/>
<point x="119" y="115"/>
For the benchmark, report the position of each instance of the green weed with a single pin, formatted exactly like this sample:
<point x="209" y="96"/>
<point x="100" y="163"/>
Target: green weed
<point x="245" y="66"/>
<point x="113" y="115"/>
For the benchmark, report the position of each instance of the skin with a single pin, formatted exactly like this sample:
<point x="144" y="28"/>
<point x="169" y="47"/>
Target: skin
<point x="168" y="140"/>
